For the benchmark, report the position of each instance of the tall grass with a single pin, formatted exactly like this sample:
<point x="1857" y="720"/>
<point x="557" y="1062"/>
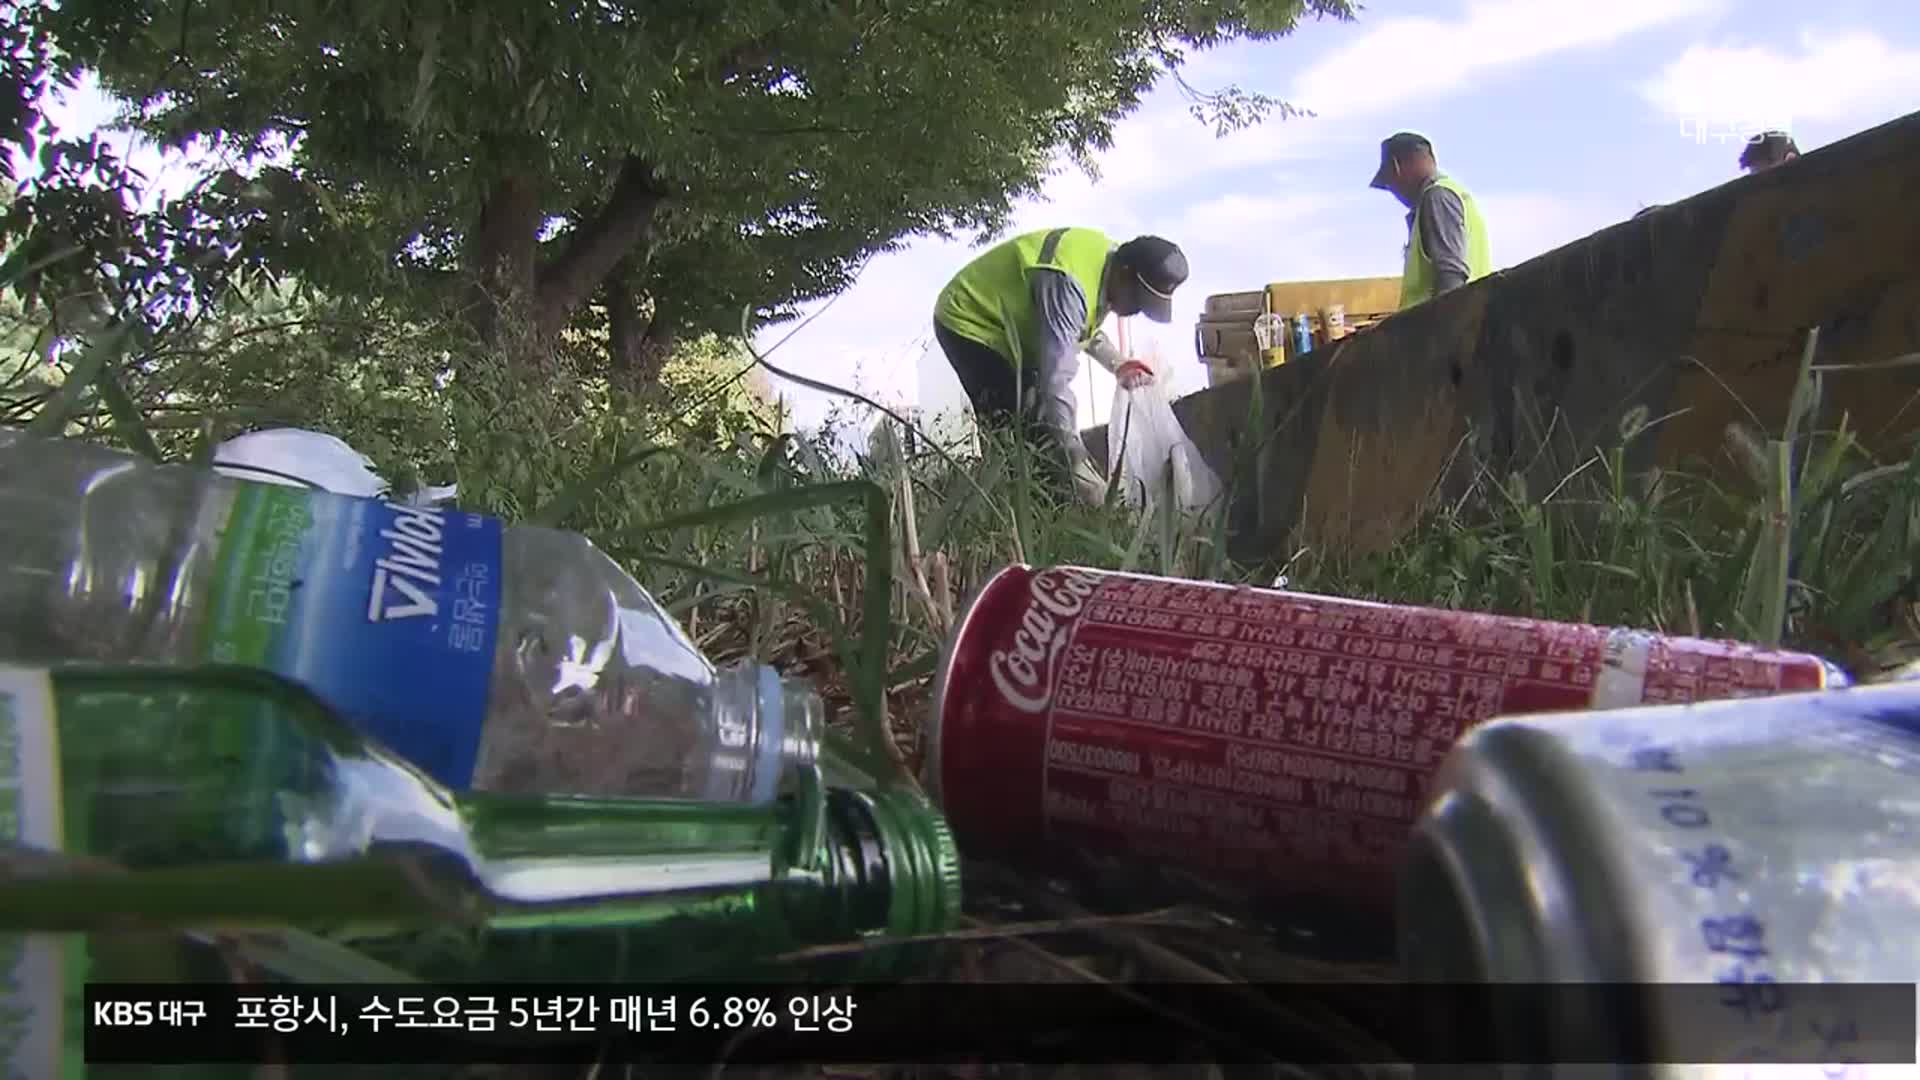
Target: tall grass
<point x="851" y="568"/>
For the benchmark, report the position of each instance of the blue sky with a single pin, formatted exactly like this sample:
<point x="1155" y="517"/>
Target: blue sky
<point x="1562" y="116"/>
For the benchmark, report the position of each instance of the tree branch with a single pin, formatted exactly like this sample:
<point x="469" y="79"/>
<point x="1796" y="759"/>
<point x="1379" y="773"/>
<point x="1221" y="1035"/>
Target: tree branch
<point x="597" y="246"/>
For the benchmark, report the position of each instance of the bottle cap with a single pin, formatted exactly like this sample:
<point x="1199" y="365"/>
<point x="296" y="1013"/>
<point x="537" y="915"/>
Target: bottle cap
<point x="923" y="862"/>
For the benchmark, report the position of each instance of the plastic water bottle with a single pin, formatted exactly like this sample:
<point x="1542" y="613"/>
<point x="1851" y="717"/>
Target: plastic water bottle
<point x="512" y="659"/>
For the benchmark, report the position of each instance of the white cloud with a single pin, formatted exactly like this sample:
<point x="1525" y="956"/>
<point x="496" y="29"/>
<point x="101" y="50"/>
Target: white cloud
<point x="1836" y="82"/>
<point x="1403" y="59"/>
<point x="1164" y="147"/>
<point x="1238" y="216"/>
<point x="1523" y="224"/>
<point x="1237" y="241"/>
<point x="867" y="337"/>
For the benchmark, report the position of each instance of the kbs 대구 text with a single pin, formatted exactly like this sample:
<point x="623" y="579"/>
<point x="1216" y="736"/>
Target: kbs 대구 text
<point x="583" y="1013"/>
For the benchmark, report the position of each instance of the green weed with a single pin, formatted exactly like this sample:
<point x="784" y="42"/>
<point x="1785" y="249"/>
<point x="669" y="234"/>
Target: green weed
<point x="852" y="567"/>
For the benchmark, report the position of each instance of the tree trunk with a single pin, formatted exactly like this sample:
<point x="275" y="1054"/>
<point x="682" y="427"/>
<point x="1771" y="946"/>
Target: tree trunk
<point x="626" y="326"/>
<point x="638" y="345"/>
<point x="517" y="307"/>
<point x="500" y="258"/>
<point x="657" y="345"/>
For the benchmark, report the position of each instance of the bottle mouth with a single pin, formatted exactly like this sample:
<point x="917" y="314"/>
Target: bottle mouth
<point x="1506" y="880"/>
<point x="771" y="728"/>
<point x="790" y="721"/>
<point x="1457" y="867"/>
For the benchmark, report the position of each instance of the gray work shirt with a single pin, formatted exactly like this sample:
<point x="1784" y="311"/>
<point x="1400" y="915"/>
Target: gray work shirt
<point x="1443" y="234"/>
<point x="1060" y="309"/>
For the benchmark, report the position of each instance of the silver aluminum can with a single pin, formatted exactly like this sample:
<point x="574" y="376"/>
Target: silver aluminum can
<point x="1758" y="844"/>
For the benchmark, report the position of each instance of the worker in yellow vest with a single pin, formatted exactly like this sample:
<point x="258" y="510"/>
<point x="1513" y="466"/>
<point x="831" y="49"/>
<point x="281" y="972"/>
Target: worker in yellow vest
<point x="1446" y="238"/>
<point x="1035" y="302"/>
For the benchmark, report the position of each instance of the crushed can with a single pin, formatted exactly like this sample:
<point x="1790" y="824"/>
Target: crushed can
<point x="1282" y="742"/>
<point x="1751" y="869"/>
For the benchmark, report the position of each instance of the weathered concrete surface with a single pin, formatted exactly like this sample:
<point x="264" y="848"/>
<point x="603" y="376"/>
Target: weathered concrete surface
<point x="1696" y="312"/>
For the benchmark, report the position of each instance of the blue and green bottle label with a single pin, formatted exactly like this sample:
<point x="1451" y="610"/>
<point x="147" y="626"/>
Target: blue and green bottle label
<point x="389" y="613"/>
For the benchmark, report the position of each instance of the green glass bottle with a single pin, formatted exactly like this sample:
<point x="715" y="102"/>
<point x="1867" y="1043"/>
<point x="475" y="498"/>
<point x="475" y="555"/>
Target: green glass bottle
<point x="230" y="798"/>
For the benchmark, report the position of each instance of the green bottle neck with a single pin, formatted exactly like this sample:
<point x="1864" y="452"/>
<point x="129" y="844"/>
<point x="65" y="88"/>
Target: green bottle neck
<point x="718" y="900"/>
<point x="235" y="798"/>
<point x="557" y="860"/>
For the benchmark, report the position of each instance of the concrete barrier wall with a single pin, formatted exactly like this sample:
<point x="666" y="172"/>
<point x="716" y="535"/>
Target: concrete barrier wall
<point x="1696" y="311"/>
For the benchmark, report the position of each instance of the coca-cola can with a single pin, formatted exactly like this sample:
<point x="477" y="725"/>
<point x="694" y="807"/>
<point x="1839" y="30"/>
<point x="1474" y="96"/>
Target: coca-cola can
<point x="1279" y="741"/>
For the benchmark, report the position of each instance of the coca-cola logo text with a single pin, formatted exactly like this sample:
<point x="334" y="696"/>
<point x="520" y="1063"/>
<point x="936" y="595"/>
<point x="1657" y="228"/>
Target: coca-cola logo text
<point x="1024" y="673"/>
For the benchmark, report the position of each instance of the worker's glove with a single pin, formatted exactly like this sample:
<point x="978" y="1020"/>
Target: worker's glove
<point x="1133" y="375"/>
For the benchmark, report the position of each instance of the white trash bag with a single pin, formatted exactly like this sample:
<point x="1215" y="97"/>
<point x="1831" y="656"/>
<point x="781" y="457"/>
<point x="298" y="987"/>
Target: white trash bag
<point x="1145" y="440"/>
<point x="295" y="457"/>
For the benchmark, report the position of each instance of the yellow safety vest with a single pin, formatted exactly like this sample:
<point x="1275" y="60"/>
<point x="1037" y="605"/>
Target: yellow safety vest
<point x="1417" y="280"/>
<point x="991" y="299"/>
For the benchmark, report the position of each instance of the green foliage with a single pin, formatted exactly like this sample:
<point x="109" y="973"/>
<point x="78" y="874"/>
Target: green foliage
<point x="676" y="160"/>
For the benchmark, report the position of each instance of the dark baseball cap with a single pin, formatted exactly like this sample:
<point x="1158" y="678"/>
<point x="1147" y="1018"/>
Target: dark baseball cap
<point x="1160" y="267"/>
<point x="1393" y="146"/>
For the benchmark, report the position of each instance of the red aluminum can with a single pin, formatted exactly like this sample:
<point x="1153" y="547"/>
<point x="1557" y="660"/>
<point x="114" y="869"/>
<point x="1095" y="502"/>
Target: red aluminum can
<point x="1281" y="741"/>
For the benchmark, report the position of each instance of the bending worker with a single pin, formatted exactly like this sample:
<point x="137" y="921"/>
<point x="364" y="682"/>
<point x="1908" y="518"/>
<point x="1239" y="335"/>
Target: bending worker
<point x="1039" y="299"/>
<point x="1446" y="238"/>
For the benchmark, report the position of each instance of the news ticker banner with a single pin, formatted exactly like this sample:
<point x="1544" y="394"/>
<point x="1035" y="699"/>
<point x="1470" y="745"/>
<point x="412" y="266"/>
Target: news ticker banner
<point x="1152" y="1023"/>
